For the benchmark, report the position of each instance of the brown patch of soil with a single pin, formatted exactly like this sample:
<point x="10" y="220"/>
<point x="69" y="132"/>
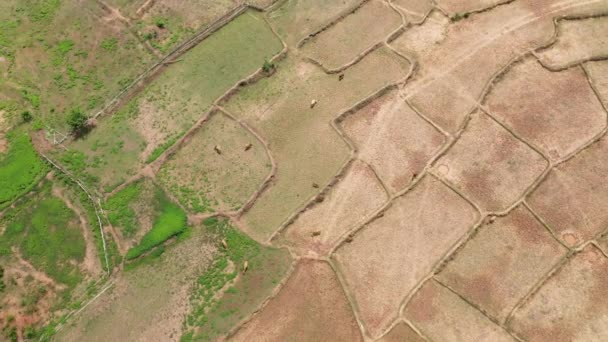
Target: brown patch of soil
<point x="556" y="111"/>
<point x="392" y="138"/>
<point x="414" y="10"/>
<point x="311" y="306"/>
<point x="598" y="74"/>
<point x="571" y="200"/>
<point x="467" y="6"/>
<point x="342" y="42"/>
<point x="357" y="195"/>
<point x="578" y="41"/>
<point x="389" y="257"/>
<point x="401" y="333"/>
<point x="3" y="129"/>
<point x="461" y="58"/>
<point x="489" y="165"/>
<point x="570" y="306"/>
<point x="503" y="262"/>
<point x="443" y="316"/>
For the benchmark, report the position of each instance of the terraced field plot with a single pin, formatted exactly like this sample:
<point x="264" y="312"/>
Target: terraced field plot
<point x="343" y="170"/>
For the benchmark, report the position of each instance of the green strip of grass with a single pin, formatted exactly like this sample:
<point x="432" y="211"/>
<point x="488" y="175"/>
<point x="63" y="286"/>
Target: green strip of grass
<point x="162" y="148"/>
<point x="20" y="169"/>
<point x="170" y="222"/>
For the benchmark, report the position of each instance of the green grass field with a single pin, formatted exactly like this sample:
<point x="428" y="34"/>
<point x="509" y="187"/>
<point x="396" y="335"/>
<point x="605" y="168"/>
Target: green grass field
<point x="47" y="234"/>
<point x="20" y="168"/>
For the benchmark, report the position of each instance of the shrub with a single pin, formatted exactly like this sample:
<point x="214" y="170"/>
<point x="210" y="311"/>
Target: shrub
<point x="459" y="16"/>
<point x="150" y="35"/>
<point x="77" y="120"/>
<point x="267" y="66"/>
<point x="26" y="116"/>
<point x="161" y="23"/>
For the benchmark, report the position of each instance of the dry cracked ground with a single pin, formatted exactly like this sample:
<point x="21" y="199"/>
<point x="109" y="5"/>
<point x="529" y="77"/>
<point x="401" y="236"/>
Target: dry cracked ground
<point x="436" y="169"/>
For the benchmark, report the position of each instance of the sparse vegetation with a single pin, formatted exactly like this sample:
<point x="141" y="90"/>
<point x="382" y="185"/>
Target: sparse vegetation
<point x="224" y="295"/>
<point x="459" y="16"/>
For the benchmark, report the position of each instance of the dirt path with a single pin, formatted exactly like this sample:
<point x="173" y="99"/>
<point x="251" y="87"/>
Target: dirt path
<point x="145" y="7"/>
<point x="91" y="262"/>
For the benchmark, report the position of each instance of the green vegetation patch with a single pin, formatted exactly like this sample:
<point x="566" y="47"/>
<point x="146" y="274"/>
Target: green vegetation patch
<point x="120" y="211"/>
<point x="20" y="168"/>
<point x="171" y="221"/>
<point x="226" y="293"/>
<point x="47" y="234"/>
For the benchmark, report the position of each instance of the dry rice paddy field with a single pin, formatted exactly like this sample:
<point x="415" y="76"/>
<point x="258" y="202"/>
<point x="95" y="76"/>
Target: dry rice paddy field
<point x="291" y="170"/>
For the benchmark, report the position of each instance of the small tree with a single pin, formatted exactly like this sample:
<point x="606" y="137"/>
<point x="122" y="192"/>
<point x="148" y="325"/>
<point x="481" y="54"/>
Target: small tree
<point x="267" y="66"/>
<point x="77" y="120"/>
<point x="26" y="116"/>
<point x="161" y="23"/>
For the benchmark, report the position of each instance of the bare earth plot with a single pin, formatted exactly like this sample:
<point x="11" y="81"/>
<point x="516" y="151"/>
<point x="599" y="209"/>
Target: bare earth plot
<point x="442" y="315"/>
<point x="310" y="307"/>
<point x="390" y="256"/>
<point x="414" y="10"/>
<point x="401" y="332"/>
<point x="569" y="306"/>
<point x="558" y="112"/>
<point x="502" y="262"/>
<point x="344" y="40"/>
<point x="393" y="139"/>
<point x="490" y="165"/>
<point x="578" y="41"/>
<point x="409" y="170"/>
